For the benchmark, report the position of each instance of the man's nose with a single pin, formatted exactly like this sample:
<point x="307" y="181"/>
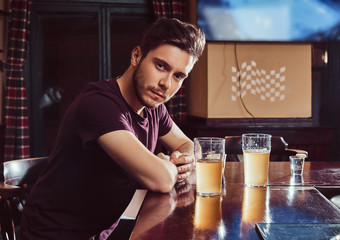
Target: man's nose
<point x="165" y="82"/>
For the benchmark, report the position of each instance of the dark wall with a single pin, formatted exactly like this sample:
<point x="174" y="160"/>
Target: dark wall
<point x="330" y="108"/>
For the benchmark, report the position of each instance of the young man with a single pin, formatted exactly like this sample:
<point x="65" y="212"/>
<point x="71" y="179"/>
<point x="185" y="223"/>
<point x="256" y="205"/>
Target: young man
<point x="104" y="148"/>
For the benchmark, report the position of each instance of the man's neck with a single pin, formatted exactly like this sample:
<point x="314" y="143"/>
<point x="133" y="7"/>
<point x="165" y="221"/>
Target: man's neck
<point x="127" y="89"/>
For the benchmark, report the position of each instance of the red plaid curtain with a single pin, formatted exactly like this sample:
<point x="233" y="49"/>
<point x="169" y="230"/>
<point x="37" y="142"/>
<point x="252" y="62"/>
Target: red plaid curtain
<point x="16" y="118"/>
<point x="174" y="9"/>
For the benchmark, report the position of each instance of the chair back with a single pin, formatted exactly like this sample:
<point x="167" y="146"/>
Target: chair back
<point x="23" y="171"/>
<point x="279" y="149"/>
<point x="233" y="148"/>
<point x="19" y="177"/>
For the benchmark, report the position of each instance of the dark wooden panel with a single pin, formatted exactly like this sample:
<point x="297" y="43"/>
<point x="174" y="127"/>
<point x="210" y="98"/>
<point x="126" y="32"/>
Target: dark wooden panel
<point x="74" y="42"/>
<point x="314" y="139"/>
<point x="2" y="142"/>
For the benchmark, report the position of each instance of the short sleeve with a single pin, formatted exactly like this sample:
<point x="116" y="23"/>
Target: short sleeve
<point x="165" y="121"/>
<point x="98" y="114"/>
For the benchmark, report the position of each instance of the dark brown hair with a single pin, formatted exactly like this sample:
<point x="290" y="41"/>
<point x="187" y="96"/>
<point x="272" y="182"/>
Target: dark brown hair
<point x="174" y="32"/>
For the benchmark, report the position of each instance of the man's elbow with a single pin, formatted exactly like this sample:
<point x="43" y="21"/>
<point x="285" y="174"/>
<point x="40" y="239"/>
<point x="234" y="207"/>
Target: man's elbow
<point x="163" y="179"/>
<point x="163" y="186"/>
<point x="166" y="188"/>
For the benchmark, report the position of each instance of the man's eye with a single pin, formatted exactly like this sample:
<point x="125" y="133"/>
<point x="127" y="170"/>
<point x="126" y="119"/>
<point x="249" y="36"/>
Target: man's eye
<point x="179" y="77"/>
<point x="160" y="66"/>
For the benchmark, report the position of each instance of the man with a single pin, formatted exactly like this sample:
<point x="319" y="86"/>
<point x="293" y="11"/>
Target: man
<point x="104" y="148"/>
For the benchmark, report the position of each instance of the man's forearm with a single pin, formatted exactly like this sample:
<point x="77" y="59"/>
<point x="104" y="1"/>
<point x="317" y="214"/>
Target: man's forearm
<point x="186" y="148"/>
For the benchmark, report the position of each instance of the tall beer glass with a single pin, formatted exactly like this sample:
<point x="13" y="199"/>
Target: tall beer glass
<point x="256" y="150"/>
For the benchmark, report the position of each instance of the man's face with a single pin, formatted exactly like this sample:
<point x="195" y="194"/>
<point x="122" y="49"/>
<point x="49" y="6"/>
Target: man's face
<point x="160" y="74"/>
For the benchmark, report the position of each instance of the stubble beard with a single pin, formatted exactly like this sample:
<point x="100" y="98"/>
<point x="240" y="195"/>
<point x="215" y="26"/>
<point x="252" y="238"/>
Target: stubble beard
<point x="139" y="88"/>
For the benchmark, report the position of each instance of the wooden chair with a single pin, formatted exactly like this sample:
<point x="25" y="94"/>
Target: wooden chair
<point x="279" y="149"/>
<point x="19" y="178"/>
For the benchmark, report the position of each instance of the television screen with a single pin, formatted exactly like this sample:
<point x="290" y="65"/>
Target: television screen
<point x="269" y="20"/>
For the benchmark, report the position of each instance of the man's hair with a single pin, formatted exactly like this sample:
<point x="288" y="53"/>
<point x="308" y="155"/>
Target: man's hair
<point x="174" y="32"/>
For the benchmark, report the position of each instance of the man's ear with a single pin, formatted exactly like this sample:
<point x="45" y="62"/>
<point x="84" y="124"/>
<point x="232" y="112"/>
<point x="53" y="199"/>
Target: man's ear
<point x="136" y="56"/>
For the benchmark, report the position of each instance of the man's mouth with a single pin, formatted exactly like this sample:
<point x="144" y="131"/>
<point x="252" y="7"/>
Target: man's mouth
<point x="160" y="95"/>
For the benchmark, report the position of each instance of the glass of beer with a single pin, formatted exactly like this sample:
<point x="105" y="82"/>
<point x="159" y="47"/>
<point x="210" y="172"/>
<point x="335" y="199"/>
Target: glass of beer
<point x="209" y="159"/>
<point x="256" y="149"/>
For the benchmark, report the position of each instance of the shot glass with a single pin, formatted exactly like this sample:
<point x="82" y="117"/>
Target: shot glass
<point x="209" y="159"/>
<point x="296" y="164"/>
<point x="256" y="150"/>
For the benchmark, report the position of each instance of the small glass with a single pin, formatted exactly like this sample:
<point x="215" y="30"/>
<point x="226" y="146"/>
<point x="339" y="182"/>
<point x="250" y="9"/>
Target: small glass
<point x="296" y="164"/>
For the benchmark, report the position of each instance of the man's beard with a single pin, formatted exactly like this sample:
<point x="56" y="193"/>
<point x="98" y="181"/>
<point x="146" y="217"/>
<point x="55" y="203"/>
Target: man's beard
<point x="137" y="79"/>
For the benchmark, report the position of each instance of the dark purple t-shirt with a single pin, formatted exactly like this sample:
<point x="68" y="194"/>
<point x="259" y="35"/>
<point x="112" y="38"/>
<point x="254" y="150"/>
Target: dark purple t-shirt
<point x="83" y="191"/>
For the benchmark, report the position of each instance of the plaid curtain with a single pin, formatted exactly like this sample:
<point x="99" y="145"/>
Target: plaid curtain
<point x="16" y="118"/>
<point x="174" y="9"/>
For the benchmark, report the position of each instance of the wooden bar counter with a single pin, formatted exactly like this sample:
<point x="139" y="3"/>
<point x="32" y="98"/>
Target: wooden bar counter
<point x="287" y="199"/>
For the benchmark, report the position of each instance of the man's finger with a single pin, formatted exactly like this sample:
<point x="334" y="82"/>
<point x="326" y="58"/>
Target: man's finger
<point x="185" y="168"/>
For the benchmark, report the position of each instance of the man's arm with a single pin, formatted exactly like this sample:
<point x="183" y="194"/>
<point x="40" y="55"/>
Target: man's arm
<point x="182" y="151"/>
<point x="151" y="171"/>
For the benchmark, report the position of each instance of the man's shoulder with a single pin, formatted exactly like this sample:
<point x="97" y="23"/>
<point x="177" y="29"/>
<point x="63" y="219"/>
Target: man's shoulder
<point x="100" y="98"/>
<point x="109" y="86"/>
<point x="103" y="89"/>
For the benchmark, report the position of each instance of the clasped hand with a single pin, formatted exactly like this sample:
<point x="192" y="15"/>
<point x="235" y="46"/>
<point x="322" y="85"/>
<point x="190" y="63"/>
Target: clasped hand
<point x="184" y="163"/>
